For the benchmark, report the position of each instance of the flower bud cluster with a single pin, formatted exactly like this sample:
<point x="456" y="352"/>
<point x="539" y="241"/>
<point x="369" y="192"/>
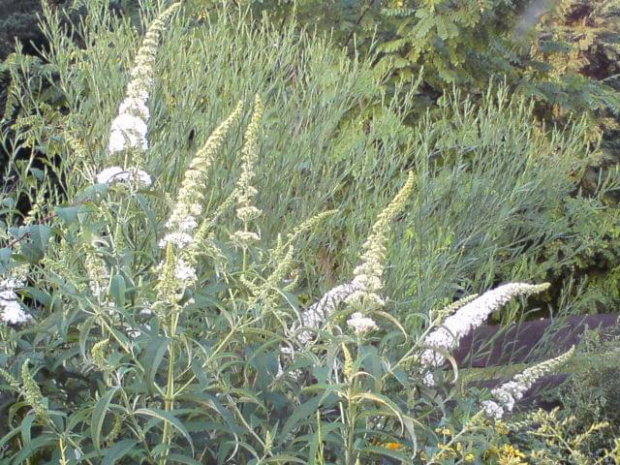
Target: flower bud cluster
<point x="177" y="271"/>
<point x="361" y="324"/>
<point x="187" y="209"/>
<point x="368" y="274"/>
<point x="362" y="293"/>
<point x="244" y="191"/>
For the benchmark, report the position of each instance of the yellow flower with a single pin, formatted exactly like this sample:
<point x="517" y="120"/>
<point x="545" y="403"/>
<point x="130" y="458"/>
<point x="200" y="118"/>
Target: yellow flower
<point x="393" y="445"/>
<point x="501" y="428"/>
<point x="470" y="458"/>
<point x="510" y="455"/>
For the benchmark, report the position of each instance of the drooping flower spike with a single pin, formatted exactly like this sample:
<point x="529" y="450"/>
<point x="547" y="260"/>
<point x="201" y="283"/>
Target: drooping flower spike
<point x="469" y="317"/>
<point x="508" y="394"/>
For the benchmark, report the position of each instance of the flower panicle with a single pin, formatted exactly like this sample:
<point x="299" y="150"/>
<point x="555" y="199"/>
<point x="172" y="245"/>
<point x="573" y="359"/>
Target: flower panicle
<point x="470" y="316"/>
<point x="9" y="378"/>
<point x="309" y="224"/>
<point x="114" y="174"/>
<point x="32" y="393"/>
<point x="99" y="277"/>
<point x="99" y="354"/>
<point x="361" y="324"/>
<point x="177" y="271"/>
<point x="169" y="287"/>
<point x="362" y="292"/>
<point x="368" y="274"/>
<point x="508" y="394"/>
<point x="249" y="156"/>
<point x="315" y="315"/>
<point x="188" y="206"/>
<point x="451" y="308"/>
<point x="129" y="129"/>
<point x="382" y="225"/>
<point x="244" y="191"/>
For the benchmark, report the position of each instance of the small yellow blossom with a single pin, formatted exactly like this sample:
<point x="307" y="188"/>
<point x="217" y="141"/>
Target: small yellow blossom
<point x="510" y="455"/>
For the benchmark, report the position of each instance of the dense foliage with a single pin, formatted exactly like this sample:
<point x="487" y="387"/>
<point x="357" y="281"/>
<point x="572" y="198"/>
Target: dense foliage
<point x="165" y="287"/>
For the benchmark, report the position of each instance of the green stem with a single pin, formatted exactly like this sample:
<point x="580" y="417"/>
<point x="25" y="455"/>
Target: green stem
<point x="170" y="393"/>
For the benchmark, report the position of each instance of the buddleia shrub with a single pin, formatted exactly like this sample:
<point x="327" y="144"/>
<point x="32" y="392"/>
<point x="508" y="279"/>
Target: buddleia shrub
<point x="175" y="308"/>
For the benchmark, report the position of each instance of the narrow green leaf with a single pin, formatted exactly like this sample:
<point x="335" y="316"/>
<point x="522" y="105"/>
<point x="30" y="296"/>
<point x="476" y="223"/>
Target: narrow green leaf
<point x="177" y="458"/>
<point x="118" y="289"/>
<point x="170" y="418"/>
<point x="152" y="358"/>
<point x="38" y="443"/>
<point x="40" y="235"/>
<point x="301" y="413"/>
<point x="118" y="451"/>
<point x="99" y="413"/>
<point x="26" y="428"/>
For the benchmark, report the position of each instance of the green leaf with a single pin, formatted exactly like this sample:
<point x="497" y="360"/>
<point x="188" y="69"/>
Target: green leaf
<point x="40" y="442"/>
<point x="170" y="418"/>
<point x="40" y="235"/>
<point x="304" y="412"/>
<point x="5" y="259"/>
<point x="92" y="193"/>
<point x="32" y="254"/>
<point x="69" y="214"/>
<point x="26" y="428"/>
<point x="118" y="288"/>
<point x="99" y="413"/>
<point x="182" y="459"/>
<point x="85" y="328"/>
<point x="152" y="357"/>
<point x="118" y="451"/>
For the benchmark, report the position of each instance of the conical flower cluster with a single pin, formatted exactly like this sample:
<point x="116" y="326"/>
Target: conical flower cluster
<point x="188" y="206"/>
<point x="511" y="392"/>
<point x="244" y="191"/>
<point x="469" y="317"/>
<point x="362" y="293"/>
<point x="128" y="130"/>
<point x="369" y="273"/>
<point x="177" y="271"/>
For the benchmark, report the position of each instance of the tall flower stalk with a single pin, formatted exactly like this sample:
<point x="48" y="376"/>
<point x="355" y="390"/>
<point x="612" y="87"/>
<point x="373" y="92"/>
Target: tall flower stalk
<point x="188" y="207"/>
<point x="177" y="271"/>
<point x="245" y="192"/>
<point x="362" y="294"/>
<point x="128" y="131"/>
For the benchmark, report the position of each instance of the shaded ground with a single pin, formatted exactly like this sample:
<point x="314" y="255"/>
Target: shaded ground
<point x="530" y="343"/>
